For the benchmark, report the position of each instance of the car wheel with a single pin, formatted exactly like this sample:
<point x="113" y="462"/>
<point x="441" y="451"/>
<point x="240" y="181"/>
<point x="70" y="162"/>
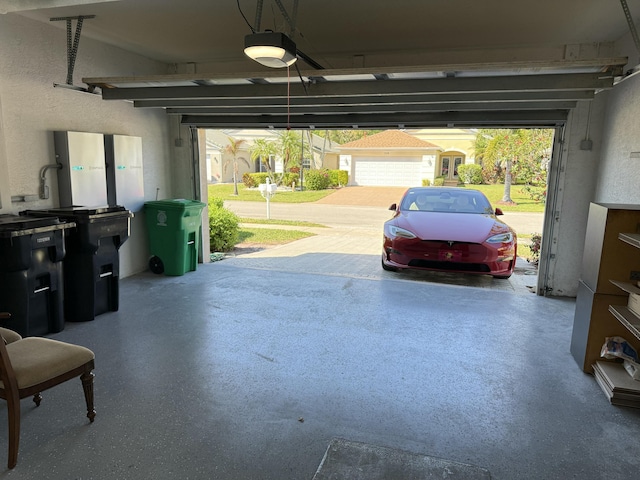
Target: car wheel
<point x="156" y="265"/>
<point x="501" y="277"/>
<point x="388" y="268"/>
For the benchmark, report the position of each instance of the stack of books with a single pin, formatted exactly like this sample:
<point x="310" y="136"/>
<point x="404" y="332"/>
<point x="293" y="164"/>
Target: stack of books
<point x="617" y="384"/>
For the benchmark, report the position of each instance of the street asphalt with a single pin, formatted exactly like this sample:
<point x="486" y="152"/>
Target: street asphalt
<point x="356" y="217"/>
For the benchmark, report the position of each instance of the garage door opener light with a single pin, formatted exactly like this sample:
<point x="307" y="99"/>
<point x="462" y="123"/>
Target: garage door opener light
<point x="271" y="49"/>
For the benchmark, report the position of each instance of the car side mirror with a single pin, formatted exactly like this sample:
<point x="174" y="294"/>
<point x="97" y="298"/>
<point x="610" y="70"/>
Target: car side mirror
<point x="499" y="211"/>
<point x="393" y="207"/>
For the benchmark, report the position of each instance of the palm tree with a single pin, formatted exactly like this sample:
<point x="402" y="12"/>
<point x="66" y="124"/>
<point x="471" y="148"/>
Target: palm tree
<point x="518" y="151"/>
<point x="289" y="146"/>
<point x="233" y="148"/>
<point x="263" y="149"/>
<point x="498" y="147"/>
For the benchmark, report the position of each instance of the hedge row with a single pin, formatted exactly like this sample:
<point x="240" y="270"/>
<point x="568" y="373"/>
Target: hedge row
<point x="313" y="179"/>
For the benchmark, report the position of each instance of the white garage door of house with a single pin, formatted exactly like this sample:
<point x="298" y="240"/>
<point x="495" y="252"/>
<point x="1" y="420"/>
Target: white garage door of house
<point x="388" y="171"/>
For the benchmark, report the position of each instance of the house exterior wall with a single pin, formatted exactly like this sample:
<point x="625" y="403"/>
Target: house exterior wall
<point x="450" y="140"/>
<point x="331" y="161"/>
<point x="221" y="163"/>
<point x="32" y="59"/>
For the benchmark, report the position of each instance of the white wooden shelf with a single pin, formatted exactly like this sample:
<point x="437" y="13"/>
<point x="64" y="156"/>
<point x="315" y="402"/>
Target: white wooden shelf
<point x="630" y="238"/>
<point x="626" y="286"/>
<point x="627" y="318"/>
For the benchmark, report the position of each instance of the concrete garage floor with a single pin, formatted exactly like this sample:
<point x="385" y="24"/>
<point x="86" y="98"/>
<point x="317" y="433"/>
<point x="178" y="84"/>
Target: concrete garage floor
<point x="233" y="372"/>
<point x="250" y="367"/>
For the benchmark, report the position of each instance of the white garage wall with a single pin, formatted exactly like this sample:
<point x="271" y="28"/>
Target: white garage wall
<point x="576" y="185"/>
<point x="32" y="59"/>
<point x="618" y="178"/>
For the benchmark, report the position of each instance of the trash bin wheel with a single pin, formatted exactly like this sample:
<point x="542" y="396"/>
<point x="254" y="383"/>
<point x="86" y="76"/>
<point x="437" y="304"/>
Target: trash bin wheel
<point x="156" y="265"/>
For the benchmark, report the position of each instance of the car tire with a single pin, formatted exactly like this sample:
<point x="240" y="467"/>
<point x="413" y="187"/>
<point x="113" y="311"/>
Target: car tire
<point x="501" y="277"/>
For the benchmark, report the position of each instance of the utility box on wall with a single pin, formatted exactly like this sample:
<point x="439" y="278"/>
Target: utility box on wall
<point x="82" y="178"/>
<point x="125" y="181"/>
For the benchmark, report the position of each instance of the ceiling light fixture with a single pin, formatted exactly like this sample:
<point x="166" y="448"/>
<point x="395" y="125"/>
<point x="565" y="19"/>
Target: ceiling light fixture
<point x="271" y="49"/>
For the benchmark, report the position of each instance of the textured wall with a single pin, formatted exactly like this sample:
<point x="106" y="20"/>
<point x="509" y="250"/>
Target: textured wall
<point x="619" y="169"/>
<point x="33" y="58"/>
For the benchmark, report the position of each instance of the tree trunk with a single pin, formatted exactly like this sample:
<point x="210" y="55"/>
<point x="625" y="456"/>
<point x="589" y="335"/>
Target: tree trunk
<point x="506" y="197"/>
<point x="235" y="178"/>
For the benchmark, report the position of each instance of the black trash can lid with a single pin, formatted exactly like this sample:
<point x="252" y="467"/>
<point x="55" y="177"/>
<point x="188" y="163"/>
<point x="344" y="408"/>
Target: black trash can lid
<point x="87" y="210"/>
<point x="14" y="225"/>
<point x="82" y="214"/>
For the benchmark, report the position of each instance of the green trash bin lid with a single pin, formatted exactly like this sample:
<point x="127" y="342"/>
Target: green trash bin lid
<point x="175" y="204"/>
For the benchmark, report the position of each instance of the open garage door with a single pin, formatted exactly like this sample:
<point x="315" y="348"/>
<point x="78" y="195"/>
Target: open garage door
<point x="492" y="95"/>
<point x="515" y="94"/>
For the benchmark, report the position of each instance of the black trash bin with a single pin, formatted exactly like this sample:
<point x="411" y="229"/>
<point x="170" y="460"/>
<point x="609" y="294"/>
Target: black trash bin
<point x="31" y="278"/>
<point x="92" y="263"/>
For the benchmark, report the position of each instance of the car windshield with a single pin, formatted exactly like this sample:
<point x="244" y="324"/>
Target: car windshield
<point x="432" y="200"/>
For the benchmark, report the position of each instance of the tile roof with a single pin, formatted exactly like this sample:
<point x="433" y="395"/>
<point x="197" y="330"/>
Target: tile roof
<point x="389" y="139"/>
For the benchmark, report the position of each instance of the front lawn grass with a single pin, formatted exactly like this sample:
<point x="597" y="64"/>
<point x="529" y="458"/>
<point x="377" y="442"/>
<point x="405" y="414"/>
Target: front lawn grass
<point x="225" y="192"/>
<point x="269" y="236"/>
<point x="293" y="223"/>
<point x="523" y="202"/>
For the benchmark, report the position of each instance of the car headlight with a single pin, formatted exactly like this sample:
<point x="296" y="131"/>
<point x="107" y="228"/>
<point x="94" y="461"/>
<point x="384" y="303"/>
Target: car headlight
<point x="399" y="232"/>
<point x="501" y="238"/>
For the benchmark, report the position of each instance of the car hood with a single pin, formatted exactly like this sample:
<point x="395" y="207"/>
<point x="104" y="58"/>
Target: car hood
<point x="459" y="227"/>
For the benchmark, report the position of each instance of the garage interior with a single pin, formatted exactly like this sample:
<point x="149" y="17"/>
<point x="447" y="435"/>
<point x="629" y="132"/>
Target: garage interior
<point x="507" y="397"/>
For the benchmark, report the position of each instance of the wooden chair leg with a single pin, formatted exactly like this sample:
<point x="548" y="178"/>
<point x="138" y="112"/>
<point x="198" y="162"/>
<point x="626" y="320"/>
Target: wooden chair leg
<point x="13" y="411"/>
<point x="87" y="386"/>
<point x="37" y="398"/>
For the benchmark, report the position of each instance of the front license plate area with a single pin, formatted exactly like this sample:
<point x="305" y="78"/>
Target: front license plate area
<point x="450" y="255"/>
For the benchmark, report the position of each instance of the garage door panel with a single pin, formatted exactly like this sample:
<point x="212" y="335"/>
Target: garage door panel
<point x="392" y="172"/>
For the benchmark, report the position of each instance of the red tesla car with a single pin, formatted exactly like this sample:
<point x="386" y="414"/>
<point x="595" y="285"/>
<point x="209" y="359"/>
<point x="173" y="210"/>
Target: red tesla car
<point x="448" y="229"/>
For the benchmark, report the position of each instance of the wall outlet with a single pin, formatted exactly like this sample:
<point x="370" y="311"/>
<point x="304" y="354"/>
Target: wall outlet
<point x="634" y="275"/>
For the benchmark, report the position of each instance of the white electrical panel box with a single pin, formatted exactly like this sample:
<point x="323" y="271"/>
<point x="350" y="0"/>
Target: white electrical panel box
<point x="82" y="180"/>
<point x="125" y="180"/>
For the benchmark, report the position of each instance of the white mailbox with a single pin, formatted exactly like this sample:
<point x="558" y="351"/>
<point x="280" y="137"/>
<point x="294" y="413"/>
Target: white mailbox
<point x="268" y="190"/>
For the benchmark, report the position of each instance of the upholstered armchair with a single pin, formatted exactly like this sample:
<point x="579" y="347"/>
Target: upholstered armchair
<point x="31" y="365"/>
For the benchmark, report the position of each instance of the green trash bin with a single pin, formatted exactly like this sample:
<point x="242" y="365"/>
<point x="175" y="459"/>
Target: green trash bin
<point x="174" y="235"/>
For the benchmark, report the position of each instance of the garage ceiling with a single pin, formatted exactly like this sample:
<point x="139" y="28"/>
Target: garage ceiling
<point x="415" y="63"/>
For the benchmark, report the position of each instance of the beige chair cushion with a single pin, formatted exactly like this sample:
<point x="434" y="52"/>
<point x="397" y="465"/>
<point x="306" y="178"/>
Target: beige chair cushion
<point x="36" y="359"/>
<point x="9" y="335"/>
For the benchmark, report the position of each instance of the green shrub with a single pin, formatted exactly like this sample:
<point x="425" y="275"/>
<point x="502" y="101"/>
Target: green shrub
<point x="426" y="182"/>
<point x="316" y="179"/>
<point x="290" y="178"/>
<point x="216" y="202"/>
<point x="438" y="182"/>
<point x="223" y="229"/>
<point x="338" y="178"/>
<point x="470" y="173"/>
<point x="534" y="247"/>
<point x="260" y="177"/>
